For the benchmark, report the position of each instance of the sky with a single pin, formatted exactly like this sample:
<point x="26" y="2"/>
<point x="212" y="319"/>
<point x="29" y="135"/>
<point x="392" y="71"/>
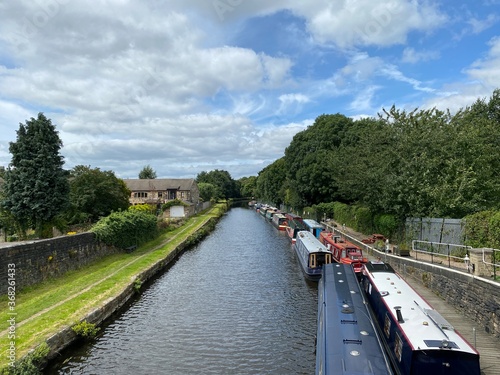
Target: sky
<point x="187" y="86"/>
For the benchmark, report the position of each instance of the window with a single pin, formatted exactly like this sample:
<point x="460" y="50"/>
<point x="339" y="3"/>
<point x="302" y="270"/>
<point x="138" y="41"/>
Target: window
<point x="387" y="326"/>
<point x="312" y="261"/>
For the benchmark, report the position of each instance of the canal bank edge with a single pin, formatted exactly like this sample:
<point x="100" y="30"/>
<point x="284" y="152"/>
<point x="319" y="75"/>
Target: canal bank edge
<point x="54" y="344"/>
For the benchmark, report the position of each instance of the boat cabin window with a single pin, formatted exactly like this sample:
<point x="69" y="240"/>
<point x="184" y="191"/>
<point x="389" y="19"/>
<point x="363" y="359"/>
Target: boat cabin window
<point x="312" y="260"/>
<point x="318" y="259"/>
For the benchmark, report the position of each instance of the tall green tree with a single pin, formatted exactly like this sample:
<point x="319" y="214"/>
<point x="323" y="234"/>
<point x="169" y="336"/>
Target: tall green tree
<point x="209" y="192"/>
<point x="309" y="172"/>
<point x="223" y="180"/>
<point x="147" y="173"/>
<point x="248" y="186"/>
<point x="36" y="187"/>
<point x="271" y="183"/>
<point x="95" y="193"/>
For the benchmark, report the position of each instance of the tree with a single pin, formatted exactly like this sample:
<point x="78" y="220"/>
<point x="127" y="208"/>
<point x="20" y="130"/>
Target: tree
<point x="147" y="173"/>
<point x="222" y="179"/>
<point x="95" y="193"/>
<point x="36" y="187"/>
<point x="248" y="186"/>
<point x="209" y="192"/>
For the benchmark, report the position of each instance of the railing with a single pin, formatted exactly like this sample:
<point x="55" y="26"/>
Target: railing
<point x="443" y="251"/>
<point x="495" y="258"/>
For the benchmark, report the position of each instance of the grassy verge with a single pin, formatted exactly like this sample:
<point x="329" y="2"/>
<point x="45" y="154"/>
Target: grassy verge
<point x="47" y="308"/>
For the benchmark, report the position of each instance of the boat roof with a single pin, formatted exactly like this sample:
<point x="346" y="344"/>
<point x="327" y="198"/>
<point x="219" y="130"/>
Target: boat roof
<point x="350" y="333"/>
<point x="312" y="223"/>
<point x="311" y="243"/>
<point x="423" y="326"/>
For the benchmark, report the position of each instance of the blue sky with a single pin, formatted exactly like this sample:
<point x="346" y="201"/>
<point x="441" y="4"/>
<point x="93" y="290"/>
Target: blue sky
<point x="187" y="86"/>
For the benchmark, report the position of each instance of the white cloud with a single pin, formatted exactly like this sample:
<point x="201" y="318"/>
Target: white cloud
<point x="175" y="84"/>
<point x="410" y="55"/>
<point x="365" y="22"/>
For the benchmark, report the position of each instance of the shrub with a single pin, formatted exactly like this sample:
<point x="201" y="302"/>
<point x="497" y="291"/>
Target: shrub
<point x="126" y="228"/>
<point x="85" y="330"/>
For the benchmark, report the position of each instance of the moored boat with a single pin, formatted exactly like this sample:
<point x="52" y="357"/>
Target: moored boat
<point x="343" y="251"/>
<point x="271" y="212"/>
<point x="312" y="254"/>
<point x="417" y="338"/>
<point x="314" y="227"/>
<point x="347" y="339"/>
<point x="293" y="228"/>
<point x="279" y="221"/>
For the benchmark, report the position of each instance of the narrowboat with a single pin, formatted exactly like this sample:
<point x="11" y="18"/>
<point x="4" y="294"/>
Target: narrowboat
<point x="279" y="221"/>
<point x="347" y="341"/>
<point x="416" y="337"/>
<point x="294" y="227"/>
<point x="343" y="251"/>
<point x="314" y="227"/>
<point x="312" y="254"/>
<point x="263" y="210"/>
<point x="271" y="212"/>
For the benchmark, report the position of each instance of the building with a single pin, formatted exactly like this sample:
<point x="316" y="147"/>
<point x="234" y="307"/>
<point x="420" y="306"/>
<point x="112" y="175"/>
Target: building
<point x="161" y="190"/>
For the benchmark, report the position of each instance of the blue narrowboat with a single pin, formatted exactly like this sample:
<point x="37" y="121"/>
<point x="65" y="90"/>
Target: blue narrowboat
<point x="417" y="338"/>
<point x="347" y="341"/>
<point x="312" y="254"/>
<point x="314" y="227"/>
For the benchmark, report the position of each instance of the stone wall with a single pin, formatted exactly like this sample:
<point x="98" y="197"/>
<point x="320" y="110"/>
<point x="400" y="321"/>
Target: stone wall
<point x="41" y="260"/>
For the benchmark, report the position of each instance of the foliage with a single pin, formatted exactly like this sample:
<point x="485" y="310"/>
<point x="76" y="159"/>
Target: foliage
<point x="126" y="228"/>
<point x="147" y="173"/>
<point x="270" y="183"/>
<point x="248" y="186"/>
<point x="386" y="224"/>
<point x="494" y="230"/>
<point x="308" y="160"/>
<point x="419" y="163"/>
<point x="209" y="191"/>
<point x="174" y="202"/>
<point x="95" y="193"/>
<point x="324" y="210"/>
<point x="148" y="208"/>
<point x="228" y="187"/>
<point x="85" y="330"/>
<point x="30" y="364"/>
<point x="35" y="187"/>
<point x="477" y="229"/>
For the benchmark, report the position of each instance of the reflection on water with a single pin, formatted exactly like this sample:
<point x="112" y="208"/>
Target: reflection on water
<point x="235" y="304"/>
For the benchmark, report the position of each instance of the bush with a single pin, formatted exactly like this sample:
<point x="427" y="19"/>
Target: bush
<point x="126" y="228"/>
<point x="85" y="330"/>
<point x="386" y="224"/>
<point x="476" y="229"/>
<point x="29" y="365"/>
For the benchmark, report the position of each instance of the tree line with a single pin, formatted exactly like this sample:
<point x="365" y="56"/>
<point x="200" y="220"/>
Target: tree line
<point x="379" y="171"/>
<point x="419" y="163"/>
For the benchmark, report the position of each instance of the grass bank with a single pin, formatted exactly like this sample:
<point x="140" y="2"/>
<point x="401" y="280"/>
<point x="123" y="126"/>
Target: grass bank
<point x="43" y="310"/>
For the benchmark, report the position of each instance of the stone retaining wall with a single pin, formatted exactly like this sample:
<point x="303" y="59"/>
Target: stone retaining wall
<point x="41" y="260"/>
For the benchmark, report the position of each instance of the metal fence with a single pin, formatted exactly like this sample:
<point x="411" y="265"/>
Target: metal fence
<point x="442" y="230"/>
<point x="495" y="260"/>
<point x="443" y="252"/>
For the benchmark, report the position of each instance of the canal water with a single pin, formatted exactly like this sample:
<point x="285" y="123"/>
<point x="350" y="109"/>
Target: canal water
<point x="237" y="303"/>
